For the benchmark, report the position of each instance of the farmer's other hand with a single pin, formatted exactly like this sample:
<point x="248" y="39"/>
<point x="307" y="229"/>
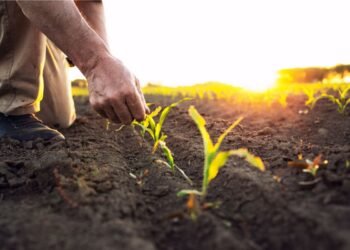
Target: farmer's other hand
<point x="114" y="92"/>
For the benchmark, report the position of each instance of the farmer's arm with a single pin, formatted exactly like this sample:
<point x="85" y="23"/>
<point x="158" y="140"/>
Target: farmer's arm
<point x="93" y="12"/>
<point x="113" y="92"/>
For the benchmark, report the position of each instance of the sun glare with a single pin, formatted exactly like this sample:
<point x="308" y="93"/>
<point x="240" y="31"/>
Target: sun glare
<point x="257" y="81"/>
<point x="235" y="42"/>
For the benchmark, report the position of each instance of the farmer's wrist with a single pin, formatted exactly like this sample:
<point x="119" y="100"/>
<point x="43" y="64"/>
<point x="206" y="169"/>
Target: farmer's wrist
<point x="87" y="59"/>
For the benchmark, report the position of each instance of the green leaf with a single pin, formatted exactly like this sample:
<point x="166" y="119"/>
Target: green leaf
<point x="168" y="154"/>
<point x="157" y="131"/>
<point x="218" y="162"/>
<point x="228" y="130"/>
<point x="155" y="146"/>
<point x="346" y="104"/>
<point x="343" y="93"/>
<point x="179" y="169"/>
<point x="148" y="130"/>
<point x="155" y="112"/>
<point x="152" y="124"/>
<point x="200" y="122"/>
<point x="165" y="113"/>
<point x="163" y="137"/>
<point x="209" y="152"/>
<point x="252" y="159"/>
<point x="337" y="101"/>
<point x="145" y="125"/>
<point x="331" y="98"/>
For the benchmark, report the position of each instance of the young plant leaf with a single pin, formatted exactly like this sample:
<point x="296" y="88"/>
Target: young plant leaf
<point x="168" y="155"/>
<point x="154" y="129"/>
<point x="213" y="158"/>
<point x="164" y="115"/>
<point x="155" y="112"/>
<point x="143" y="128"/>
<point x="228" y="130"/>
<point x="152" y="124"/>
<point x="200" y="122"/>
<point x="253" y="160"/>
<point x="218" y="162"/>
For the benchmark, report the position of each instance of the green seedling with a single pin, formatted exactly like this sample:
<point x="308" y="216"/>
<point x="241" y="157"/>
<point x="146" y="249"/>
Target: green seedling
<point x="342" y="101"/>
<point x="310" y="93"/>
<point x="154" y="129"/>
<point x="214" y="159"/>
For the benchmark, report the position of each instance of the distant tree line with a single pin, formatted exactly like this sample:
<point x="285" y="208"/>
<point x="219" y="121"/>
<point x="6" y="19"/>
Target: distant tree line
<point x="336" y="74"/>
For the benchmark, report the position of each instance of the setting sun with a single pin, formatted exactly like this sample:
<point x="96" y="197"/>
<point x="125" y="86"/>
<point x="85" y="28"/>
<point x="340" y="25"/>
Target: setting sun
<point x="243" y="43"/>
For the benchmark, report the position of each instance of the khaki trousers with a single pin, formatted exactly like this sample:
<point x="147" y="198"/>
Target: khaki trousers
<point x="33" y="71"/>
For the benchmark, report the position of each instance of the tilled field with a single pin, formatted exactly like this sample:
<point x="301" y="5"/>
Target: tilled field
<point x="80" y="195"/>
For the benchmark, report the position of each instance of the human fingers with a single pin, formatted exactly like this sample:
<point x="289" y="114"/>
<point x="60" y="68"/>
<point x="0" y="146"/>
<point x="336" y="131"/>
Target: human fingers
<point x="121" y="110"/>
<point x="138" y="87"/>
<point x="136" y="107"/>
<point x="112" y="116"/>
<point x="98" y="107"/>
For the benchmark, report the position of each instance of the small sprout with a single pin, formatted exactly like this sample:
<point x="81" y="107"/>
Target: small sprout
<point x="178" y="169"/>
<point x="312" y="168"/>
<point x="214" y="159"/>
<point x="308" y="166"/>
<point x="342" y="101"/>
<point x="310" y="93"/>
<point x="140" y="178"/>
<point x="154" y="129"/>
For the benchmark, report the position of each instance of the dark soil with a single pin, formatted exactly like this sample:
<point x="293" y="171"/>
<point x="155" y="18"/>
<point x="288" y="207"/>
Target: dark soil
<point x="80" y="195"/>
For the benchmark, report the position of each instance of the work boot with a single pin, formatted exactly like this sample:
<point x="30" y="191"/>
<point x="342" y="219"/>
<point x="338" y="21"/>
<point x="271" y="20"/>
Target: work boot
<point x="26" y="128"/>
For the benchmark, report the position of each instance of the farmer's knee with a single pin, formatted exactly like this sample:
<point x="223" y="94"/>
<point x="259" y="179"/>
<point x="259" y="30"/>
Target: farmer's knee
<point x="65" y="121"/>
<point x="58" y="118"/>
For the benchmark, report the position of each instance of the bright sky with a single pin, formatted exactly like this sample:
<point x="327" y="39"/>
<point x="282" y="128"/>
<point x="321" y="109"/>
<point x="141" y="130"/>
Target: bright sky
<point x="244" y="42"/>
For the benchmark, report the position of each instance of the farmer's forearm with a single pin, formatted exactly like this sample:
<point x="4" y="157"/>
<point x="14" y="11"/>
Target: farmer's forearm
<point x="93" y="13"/>
<point x="62" y="22"/>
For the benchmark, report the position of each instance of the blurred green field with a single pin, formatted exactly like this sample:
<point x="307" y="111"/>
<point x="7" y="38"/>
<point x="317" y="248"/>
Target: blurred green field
<point x="238" y="95"/>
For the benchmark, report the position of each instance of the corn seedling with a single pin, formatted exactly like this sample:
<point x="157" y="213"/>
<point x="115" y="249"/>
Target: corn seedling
<point x="214" y="159"/>
<point x="308" y="166"/>
<point x="342" y="101"/>
<point x="310" y="93"/>
<point x="154" y="129"/>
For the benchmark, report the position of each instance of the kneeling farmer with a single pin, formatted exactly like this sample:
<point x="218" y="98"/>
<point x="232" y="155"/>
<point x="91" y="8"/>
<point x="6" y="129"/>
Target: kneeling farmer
<point x="35" y="37"/>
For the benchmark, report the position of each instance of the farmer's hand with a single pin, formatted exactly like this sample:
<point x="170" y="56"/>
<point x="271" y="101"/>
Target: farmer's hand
<point x="115" y="92"/>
